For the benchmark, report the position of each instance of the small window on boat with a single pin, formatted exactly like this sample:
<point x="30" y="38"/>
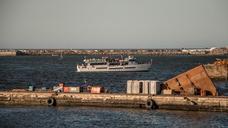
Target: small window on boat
<point x="101" y="67"/>
<point x="117" y="68"/>
<point x="114" y="63"/>
<point x="129" y="67"/>
<point x="97" y="63"/>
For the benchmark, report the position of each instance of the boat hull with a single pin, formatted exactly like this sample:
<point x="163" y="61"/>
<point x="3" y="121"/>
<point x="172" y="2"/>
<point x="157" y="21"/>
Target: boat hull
<point x="117" y="68"/>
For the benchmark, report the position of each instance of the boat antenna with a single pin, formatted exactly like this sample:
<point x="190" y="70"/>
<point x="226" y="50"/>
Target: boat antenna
<point x="85" y="81"/>
<point x="61" y="55"/>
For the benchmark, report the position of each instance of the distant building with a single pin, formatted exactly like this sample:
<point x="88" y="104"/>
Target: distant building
<point x="7" y="53"/>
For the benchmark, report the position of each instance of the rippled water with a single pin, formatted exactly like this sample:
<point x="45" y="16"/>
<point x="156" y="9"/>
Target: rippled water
<point x="17" y="72"/>
<point x="83" y="117"/>
<point x="47" y="71"/>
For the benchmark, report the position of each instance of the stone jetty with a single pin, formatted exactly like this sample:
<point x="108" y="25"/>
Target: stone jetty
<point x="171" y="102"/>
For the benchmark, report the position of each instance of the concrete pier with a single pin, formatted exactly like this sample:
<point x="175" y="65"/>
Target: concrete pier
<point x="7" y="53"/>
<point x="194" y="103"/>
<point x="217" y="71"/>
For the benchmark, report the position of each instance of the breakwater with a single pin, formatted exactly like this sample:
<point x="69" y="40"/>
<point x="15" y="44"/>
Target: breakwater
<point x="154" y="52"/>
<point x="217" y="71"/>
<point x="195" y="103"/>
<point x="8" y="53"/>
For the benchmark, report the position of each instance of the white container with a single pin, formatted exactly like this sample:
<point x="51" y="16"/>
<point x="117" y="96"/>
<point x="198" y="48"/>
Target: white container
<point x="129" y="86"/>
<point x="74" y="89"/>
<point x="167" y="92"/>
<point x="155" y="87"/>
<point x="135" y="87"/>
<point x="143" y="87"/>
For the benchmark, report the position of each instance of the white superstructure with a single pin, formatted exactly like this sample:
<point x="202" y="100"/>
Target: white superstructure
<point x="110" y="64"/>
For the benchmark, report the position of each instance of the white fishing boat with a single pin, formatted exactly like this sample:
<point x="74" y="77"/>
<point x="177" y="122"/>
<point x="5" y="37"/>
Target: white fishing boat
<point x="110" y="64"/>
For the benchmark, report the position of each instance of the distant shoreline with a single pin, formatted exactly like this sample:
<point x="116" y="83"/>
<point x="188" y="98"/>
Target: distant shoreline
<point x="154" y="52"/>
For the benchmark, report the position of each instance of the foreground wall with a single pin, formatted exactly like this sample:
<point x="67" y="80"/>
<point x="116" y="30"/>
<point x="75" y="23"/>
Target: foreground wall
<point x="115" y="100"/>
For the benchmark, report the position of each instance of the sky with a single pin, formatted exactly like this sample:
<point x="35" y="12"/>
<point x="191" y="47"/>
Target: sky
<point x="113" y="24"/>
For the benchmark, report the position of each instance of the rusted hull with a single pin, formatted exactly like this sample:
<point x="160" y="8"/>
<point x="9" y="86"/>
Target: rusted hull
<point x="192" y="82"/>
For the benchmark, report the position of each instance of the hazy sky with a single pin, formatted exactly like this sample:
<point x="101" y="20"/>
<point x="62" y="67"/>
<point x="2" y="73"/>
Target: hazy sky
<point x="113" y="23"/>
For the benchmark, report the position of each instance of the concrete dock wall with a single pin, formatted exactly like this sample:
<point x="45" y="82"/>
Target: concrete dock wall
<point x="217" y="71"/>
<point x="115" y="100"/>
<point x="7" y="53"/>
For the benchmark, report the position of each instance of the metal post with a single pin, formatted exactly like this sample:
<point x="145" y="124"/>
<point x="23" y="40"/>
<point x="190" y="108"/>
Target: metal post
<point x="226" y="70"/>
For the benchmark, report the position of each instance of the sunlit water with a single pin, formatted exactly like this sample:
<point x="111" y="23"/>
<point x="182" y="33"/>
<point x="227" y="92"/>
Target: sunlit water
<point x="40" y="71"/>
